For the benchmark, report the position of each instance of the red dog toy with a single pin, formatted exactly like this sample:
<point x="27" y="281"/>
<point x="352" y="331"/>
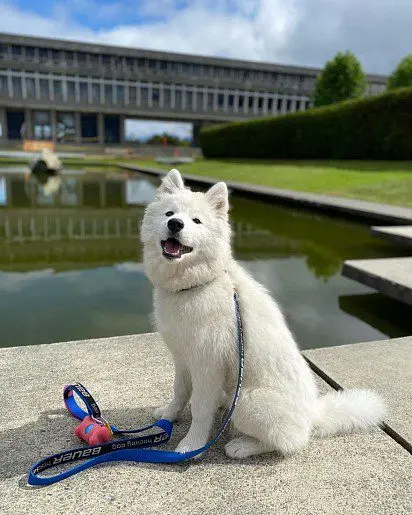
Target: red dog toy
<point x="92" y="431"/>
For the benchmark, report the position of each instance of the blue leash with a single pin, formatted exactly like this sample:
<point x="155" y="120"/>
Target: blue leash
<point x="126" y="449"/>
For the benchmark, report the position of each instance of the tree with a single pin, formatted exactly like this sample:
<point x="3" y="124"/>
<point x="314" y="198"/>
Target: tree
<point x="402" y="75"/>
<point x="341" y="79"/>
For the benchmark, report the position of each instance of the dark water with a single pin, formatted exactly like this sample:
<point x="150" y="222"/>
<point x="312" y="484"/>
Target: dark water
<point x="70" y="264"/>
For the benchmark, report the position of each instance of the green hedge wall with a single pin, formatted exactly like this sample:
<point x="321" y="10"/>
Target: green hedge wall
<point x="373" y="128"/>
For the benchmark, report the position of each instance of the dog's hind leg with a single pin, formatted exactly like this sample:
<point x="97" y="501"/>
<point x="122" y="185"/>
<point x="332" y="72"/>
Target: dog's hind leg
<point x="269" y="422"/>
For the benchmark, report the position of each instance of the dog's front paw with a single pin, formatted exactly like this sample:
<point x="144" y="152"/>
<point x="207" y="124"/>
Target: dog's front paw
<point x="167" y="412"/>
<point x="187" y="445"/>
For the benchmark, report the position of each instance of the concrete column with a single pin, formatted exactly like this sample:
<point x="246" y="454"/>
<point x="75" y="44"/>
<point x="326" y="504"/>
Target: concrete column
<point x="3" y="123"/>
<point x="100" y="128"/>
<point x="122" y="122"/>
<point x="28" y="122"/>
<point x="197" y="126"/>
<point x="77" y="127"/>
<point x="53" y="123"/>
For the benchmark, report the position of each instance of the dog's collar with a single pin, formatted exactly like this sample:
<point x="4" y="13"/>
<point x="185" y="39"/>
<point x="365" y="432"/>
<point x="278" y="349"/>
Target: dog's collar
<point x="199" y="285"/>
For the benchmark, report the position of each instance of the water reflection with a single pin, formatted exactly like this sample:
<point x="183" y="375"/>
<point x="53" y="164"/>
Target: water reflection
<point x="70" y="266"/>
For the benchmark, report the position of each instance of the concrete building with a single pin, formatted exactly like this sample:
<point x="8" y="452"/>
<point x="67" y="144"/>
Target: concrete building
<point x="83" y="93"/>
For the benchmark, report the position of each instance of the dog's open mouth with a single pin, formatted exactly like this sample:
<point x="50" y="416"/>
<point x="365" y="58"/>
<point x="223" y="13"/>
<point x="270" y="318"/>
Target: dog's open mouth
<point x="173" y="249"/>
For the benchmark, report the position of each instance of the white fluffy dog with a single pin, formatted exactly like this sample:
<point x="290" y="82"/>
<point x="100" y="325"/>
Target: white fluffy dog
<point x="187" y="256"/>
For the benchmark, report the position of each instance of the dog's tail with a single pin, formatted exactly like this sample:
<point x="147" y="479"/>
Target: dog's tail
<point x="346" y="410"/>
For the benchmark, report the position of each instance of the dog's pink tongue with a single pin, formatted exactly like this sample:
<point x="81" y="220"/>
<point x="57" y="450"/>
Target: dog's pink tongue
<point x="172" y="246"/>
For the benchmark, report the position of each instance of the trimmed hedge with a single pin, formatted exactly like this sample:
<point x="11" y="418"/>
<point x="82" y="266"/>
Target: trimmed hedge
<point x="373" y="128"/>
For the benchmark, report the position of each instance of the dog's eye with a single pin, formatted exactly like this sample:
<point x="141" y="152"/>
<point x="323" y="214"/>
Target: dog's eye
<point x="169" y="213"/>
<point x="197" y="221"/>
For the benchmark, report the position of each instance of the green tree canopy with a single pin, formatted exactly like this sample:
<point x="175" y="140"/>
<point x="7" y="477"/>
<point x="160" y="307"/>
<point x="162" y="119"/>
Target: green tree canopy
<point x="341" y="79"/>
<point x="402" y="75"/>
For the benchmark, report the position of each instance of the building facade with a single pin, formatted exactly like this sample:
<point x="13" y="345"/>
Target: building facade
<point x="83" y="93"/>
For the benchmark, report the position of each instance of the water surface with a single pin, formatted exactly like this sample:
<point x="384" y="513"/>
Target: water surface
<point x="70" y="263"/>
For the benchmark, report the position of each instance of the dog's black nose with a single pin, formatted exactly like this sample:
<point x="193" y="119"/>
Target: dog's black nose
<point x="175" y="224"/>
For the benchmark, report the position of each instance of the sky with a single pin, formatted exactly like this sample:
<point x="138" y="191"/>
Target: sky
<point x="299" y="32"/>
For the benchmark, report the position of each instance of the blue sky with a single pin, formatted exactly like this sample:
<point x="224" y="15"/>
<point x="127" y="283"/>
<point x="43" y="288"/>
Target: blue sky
<point x="300" y="32"/>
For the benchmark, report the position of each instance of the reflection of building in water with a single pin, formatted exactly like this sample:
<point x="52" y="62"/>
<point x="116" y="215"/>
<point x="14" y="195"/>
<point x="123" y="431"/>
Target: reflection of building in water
<point x="78" y="191"/>
<point x="66" y="225"/>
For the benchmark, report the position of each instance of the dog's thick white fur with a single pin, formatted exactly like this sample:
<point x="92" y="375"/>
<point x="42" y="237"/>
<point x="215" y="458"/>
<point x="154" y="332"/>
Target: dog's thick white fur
<point x="279" y="407"/>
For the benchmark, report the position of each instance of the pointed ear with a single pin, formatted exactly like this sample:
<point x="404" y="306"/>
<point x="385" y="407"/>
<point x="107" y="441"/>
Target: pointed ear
<point x="171" y="183"/>
<point x="218" y="196"/>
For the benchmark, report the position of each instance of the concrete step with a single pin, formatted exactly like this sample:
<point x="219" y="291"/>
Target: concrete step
<point x="392" y="276"/>
<point x="360" y="473"/>
<point x="402" y="234"/>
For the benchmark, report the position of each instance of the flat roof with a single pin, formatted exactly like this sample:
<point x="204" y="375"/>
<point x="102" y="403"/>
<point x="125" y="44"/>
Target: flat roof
<point x="84" y="46"/>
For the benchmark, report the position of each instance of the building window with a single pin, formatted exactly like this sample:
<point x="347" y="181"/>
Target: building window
<point x="163" y="65"/>
<point x="167" y="98"/>
<point x="220" y="100"/>
<point x="280" y="104"/>
<point x="241" y="101"/>
<point x="58" y="90"/>
<point x="65" y="129"/>
<point x="106" y="60"/>
<point x="132" y="95"/>
<point x="16" y="51"/>
<point x="84" y="98"/>
<point x="41" y="124"/>
<point x="250" y="102"/>
<point x="144" y="92"/>
<point x="152" y="65"/>
<point x="30" y="87"/>
<point x="298" y="104"/>
<point x="17" y="87"/>
<point x="155" y="96"/>
<point x="288" y="105"/>
<point x="231" y="100"/>
<point x="44" y="89"/>
<point x="95" y="93"/>
<point x="82" y="59"/>
<point x="210" y="100"/>
<point x="199" y="101"/>
<point x="56" y="56"/>
<point x="120" y="95"/>
<point x="94" y="60"/>
<point x="71" y="91"/>
<point x="260" y="102"/>
<point x="189" y="100"/>
<point x="69" y="57"/>
<point x="108" y="94"/>
<point x="43" y="55"/>
<point x="270" y="104"/>
<point x="178" y="99"/>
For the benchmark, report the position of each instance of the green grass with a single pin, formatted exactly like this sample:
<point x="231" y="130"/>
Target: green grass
<point x="375" y="181"/>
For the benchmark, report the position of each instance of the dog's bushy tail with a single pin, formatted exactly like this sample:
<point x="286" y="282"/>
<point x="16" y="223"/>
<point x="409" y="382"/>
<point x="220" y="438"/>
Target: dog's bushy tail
<point x="346" y="410"/>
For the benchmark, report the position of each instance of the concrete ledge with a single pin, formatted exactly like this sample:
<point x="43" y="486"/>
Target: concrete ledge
<point x="384" y="366"/>
<point x="349" y="207"/>
<point x="363" y="473"/>
<point x="393" y="276"/>
<point x="401" y="235"/>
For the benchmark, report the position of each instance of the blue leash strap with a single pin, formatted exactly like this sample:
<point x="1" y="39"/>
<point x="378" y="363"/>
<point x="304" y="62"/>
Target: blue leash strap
<point x="127" y="449"/>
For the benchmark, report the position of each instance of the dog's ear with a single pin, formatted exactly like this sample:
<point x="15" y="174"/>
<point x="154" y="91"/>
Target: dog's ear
<point x="218" y="196"/>
<point x="171" y="183"/>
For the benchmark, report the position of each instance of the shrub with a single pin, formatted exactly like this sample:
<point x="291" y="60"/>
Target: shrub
<point x="402" y="75"/>
<point x="341" y="79"/>
<point x="373" y="128"/>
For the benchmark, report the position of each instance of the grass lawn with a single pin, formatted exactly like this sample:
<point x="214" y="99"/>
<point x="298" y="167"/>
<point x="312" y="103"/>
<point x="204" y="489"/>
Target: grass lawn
<point x="376" y="181"/>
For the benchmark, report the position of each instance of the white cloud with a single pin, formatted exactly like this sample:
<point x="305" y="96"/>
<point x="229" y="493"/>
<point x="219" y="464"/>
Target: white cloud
<point x="304" y="32"/>
<point x="15" y="281"/>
